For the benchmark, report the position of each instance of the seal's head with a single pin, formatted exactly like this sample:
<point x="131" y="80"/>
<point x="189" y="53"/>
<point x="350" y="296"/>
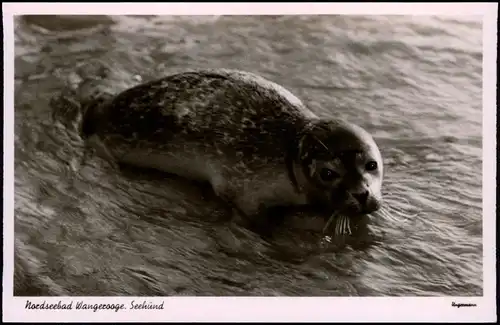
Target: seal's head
<point x="340" y="167"/>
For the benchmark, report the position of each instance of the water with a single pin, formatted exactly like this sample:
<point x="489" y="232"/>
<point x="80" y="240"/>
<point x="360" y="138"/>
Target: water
<point x="413" y="82"/>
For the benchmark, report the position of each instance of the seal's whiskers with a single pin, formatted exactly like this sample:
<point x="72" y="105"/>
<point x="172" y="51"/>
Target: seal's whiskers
<point x="396" y="197"/>
<point x="396" y="215"/>
<point x="347" y="228"/>
<point x="387" y="214"/>
<point x="400" y="212"/>
<point x="342" y="226"/>
<point x="338" y="228"/>
<point x="338" y="225"/>
<point x="348" y="223"/>
<point x="329" y="222"/>
<point x="384" y="213"/>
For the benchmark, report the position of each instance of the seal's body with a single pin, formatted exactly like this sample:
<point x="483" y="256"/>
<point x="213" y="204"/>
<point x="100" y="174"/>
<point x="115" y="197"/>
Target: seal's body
<point x="251" y="139"/>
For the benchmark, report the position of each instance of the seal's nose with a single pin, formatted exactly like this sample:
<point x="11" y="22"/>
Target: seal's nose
<point x="361" y="197"/>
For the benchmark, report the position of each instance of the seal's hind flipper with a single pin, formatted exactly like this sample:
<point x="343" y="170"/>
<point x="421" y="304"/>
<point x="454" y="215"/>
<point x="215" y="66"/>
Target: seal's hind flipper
<point x="66" y="110"/>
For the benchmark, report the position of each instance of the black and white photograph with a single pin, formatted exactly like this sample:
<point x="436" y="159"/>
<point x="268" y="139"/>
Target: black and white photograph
<point x="152" y="156"/>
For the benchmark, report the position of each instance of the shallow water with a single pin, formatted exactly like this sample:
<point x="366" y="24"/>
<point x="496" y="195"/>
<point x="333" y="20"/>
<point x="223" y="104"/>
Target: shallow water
<point x="413" y="82"/>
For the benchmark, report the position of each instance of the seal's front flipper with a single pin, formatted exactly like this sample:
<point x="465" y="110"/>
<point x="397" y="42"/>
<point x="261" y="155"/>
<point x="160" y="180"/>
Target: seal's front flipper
<point x="267" y="220"/>
<point x="264" y="222"/>
<point x="257" y="217"/>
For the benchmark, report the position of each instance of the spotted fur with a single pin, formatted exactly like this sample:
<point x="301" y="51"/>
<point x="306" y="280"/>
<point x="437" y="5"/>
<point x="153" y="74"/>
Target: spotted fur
<point x="250" y="138"/>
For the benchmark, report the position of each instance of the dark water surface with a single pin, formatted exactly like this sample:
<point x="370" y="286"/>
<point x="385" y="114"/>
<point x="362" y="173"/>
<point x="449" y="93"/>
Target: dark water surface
<point x="413" y="82"/>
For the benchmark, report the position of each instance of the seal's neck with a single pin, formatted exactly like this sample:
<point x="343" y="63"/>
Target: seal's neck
<point x="292" y="159"/>
<point x="292" y="172"/>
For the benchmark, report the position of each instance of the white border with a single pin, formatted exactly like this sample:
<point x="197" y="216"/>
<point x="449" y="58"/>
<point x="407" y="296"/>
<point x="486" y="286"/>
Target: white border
<point x="247" y="309"/>
<point x="242" y="8"/>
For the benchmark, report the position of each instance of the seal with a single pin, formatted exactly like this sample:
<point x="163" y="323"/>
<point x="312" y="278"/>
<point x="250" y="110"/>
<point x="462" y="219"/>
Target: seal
<point x="257" y="144"/>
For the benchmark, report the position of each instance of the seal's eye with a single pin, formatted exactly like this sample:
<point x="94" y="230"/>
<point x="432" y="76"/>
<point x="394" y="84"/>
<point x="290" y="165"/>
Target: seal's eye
<point x="328" y="175"/>
<point x="370" y="166"/>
